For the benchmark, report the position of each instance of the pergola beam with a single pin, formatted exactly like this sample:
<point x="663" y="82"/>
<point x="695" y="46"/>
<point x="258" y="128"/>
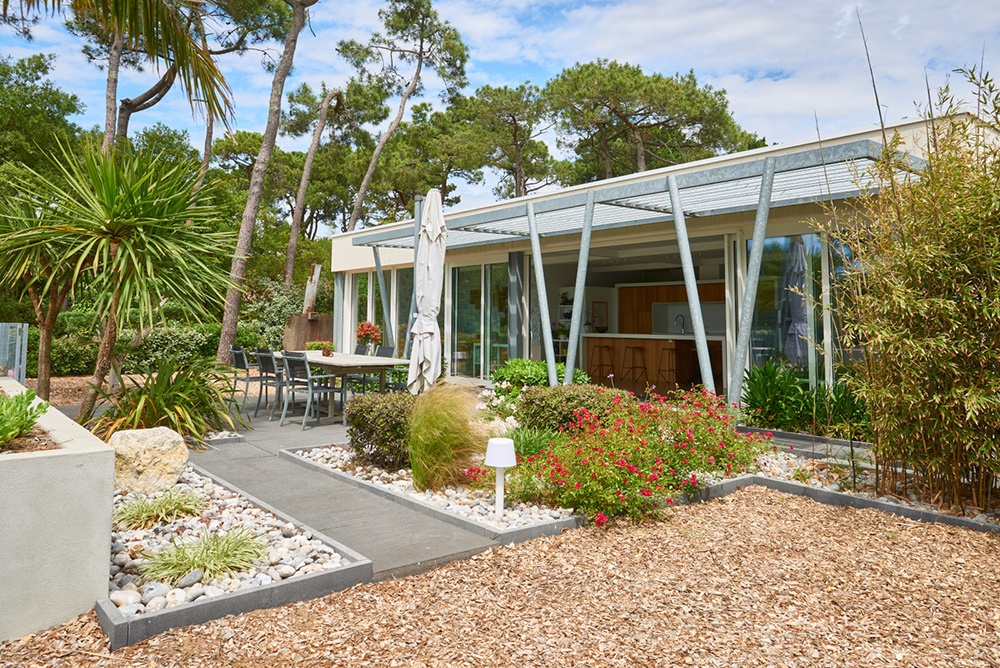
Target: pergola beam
<point x="543" y="298"/>
<point x="753" y="274"/>
<point x="691" y="287"/>
<point x="576" y="323"/>
<point x="389" y="338"/>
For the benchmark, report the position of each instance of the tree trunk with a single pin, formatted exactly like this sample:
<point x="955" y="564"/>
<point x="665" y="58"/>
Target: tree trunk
<point x="230" y="314"/>
<point x="111" y="92"/>
<point x="300" y="198"/>
<point x="640" y="150"/>
<point x="606" y="152"/>
<point x="105" y="356"/>
<point x="383" y="140"/>
<point x="206" y="156"/>
<point x="149" y="98"/>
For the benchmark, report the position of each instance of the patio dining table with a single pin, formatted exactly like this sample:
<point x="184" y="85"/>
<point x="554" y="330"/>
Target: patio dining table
<point x="342" y="364"/>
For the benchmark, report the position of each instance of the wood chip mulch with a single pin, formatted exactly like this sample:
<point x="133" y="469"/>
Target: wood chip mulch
<point x="756" y="579"/>
<point x="36" y="440"/>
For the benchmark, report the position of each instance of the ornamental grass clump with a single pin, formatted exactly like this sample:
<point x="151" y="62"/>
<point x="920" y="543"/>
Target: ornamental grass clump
<point x="634" y="458"/>
<point x="444" y="435"/>
<point x="143" y="513"/>
<point x="214" y="554"/>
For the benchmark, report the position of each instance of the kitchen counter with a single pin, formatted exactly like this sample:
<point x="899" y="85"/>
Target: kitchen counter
<point x="669" y="337"/>
<point x="660" y="362"/>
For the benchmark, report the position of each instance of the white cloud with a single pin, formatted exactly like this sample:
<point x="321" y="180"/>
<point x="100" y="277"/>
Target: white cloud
<point x="780" y="61"/>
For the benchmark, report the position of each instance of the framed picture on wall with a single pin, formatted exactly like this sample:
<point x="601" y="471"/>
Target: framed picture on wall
<point x="599" y="311"/>
<point x="566" y="313"/>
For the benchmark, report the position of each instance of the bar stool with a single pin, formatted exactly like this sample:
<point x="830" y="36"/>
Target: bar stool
<point x="603" y="364"/>
<point x="634" y="365"/>
<point x="666" y="371"/>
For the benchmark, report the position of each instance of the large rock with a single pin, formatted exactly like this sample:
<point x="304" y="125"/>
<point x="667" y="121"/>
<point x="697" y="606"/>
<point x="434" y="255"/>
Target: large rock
<point x="148" y="460"/>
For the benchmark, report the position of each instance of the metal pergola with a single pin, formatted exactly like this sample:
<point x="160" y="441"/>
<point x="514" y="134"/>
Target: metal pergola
<point x="675" y="194"/>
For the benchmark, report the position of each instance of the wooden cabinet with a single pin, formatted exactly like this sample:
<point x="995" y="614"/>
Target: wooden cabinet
<point x="635" y="303"/>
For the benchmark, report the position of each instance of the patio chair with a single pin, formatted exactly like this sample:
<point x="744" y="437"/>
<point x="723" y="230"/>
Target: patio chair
<point x="271" y="376"/>
<point x="357" y="379"/>
<point x="390" y="383"/>
<point x="299" y="378"/>
<point x="240" y="363"/>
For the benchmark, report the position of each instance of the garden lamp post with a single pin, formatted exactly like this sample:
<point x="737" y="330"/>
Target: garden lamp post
<point x="500" y="455"/>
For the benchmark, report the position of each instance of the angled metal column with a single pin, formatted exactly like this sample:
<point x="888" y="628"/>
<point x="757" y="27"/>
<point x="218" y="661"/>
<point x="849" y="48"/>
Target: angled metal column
<point x="576" y="323"/>
<point x="750" y="292"/>
<point x="515" y="294"/>
<point x="388" y="339"/>
<point x="543" y="298"/>
<point x="691" y="286"/>
<point x="339" y="302"/>
<point x="418" y="214"/>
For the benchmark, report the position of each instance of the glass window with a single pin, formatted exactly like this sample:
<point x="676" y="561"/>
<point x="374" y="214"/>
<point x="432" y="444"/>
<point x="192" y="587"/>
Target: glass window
<point x="466" y="341"/>
<point x="787" y="322"/>
<point x="359" y="292"/>
<point x="497" y="308"/>
<point x="404" y="297"/>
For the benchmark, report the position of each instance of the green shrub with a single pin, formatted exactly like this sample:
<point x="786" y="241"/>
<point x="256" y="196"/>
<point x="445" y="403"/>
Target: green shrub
<point x="191" y="397"/>
<point x="509" y="379"/>
<point x="78" y="321"/>
<point x="73" y="355"/>
<point x="319" y="345"/>
<point x="143" y="513"/>
<point x="215" y="554"/>
<point x="18" y="416"/>
<point x="31" y="365"/>
<point x="180" y="343"/>
<point x="774" y="397"/>
<point x="633" y="459"/>
<point x="553" y="407"/>
<point x="443" y="436"/>
<point x="529" y="441"/>
<point x="379" y="427"/>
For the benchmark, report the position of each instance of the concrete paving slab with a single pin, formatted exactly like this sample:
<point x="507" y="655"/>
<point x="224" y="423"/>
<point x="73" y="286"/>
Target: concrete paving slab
<point x="398" y="540"/>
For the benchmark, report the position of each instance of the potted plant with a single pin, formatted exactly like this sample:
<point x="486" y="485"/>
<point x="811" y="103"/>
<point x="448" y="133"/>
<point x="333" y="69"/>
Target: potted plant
<point x="369" y="334"/>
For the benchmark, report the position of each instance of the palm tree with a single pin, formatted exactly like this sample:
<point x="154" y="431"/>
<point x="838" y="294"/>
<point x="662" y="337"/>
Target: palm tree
<point x="159" y="27"/>
<point x="135" y="231"/>
<point x="39" y="272"/>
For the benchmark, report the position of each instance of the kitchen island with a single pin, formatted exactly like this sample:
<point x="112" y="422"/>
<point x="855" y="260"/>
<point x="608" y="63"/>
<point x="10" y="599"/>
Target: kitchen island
<point x="637" y="361"/>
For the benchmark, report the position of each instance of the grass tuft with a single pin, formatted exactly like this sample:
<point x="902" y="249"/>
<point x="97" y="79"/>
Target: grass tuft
<point x="443" y="436"/>
<point x="146" y="513"/>
<point x="214" y="554"/>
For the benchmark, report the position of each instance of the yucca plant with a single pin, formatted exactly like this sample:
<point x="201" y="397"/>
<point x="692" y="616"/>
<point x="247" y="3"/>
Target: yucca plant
<point x="214" y="554"/>
<point x="443" y="436"/>
<point x="191" y="397"/>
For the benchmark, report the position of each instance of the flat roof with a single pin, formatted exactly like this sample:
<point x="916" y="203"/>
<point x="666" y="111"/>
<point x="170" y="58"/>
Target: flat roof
<point x="710" y="187"/>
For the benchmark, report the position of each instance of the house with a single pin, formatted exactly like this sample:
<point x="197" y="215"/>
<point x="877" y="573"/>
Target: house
<point x="611" y="278"/>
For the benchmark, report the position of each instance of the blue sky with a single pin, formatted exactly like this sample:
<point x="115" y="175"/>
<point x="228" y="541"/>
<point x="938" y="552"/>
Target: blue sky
<point x="782" y="63"/>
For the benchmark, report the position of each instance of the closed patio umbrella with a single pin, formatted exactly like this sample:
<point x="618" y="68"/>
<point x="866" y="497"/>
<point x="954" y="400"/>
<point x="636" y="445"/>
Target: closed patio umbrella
<point x="428" y="281"/>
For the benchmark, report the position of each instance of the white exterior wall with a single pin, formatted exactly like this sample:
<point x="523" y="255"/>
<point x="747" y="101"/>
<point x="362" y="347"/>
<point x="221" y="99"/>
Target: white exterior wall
<point x="55" y="527"/>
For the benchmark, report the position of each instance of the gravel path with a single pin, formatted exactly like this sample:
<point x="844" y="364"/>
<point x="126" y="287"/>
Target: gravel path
<point x="755" y="579"/>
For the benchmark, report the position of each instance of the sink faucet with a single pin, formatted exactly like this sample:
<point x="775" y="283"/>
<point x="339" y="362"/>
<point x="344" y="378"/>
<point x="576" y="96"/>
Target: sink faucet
<point x="680" y="320"/>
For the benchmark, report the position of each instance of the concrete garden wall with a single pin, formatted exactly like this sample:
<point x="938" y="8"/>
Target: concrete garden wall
<point x="55" y="526"/>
